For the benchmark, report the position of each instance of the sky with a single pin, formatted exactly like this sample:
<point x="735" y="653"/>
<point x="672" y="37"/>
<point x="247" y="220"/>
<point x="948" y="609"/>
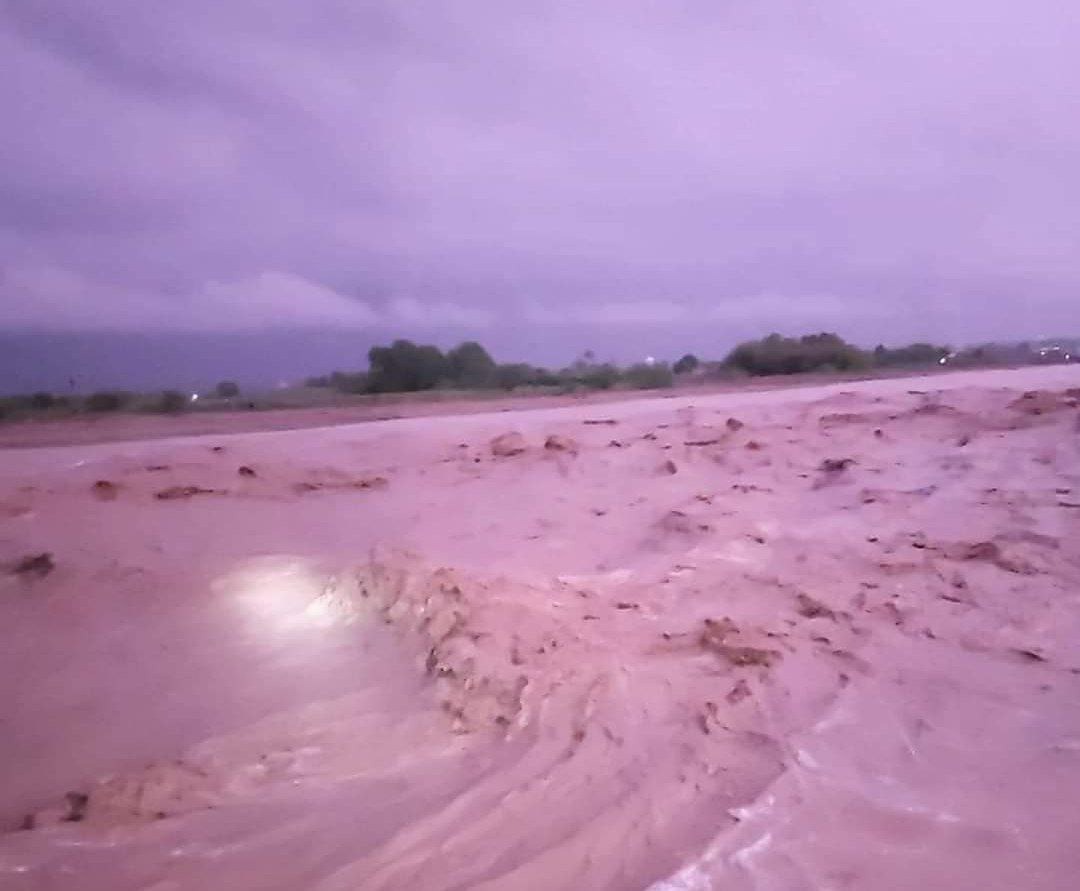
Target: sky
<point x="265" y="189"/>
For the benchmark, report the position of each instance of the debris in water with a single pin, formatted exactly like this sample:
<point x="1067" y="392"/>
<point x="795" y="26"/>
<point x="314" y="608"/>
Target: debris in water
<point x="739" y="692"/>
<point x="714" y="638"/>
<point x="176" y="492"/>
<point x="77" y="803"/>
<point x="106" y="490"/>
<point x="810" y="608"/>
<point x="37" y="565"/>
<point x="835" y="465"/>
<point x="982" y="550"/>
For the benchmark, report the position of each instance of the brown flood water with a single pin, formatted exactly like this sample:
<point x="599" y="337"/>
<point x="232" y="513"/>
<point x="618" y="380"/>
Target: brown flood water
<point x="776" y="641"/>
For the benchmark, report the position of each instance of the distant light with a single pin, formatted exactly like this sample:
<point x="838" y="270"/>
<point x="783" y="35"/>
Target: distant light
<point x="650" y="360"/>
<point x="942" y="360"/>
<point x="194" y="397"/>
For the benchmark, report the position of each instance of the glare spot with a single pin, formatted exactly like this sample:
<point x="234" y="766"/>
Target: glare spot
<point x="283" y="595"/>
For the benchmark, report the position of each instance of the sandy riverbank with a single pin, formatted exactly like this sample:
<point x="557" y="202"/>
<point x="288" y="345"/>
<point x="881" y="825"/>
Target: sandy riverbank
<point x="88" y="429"/>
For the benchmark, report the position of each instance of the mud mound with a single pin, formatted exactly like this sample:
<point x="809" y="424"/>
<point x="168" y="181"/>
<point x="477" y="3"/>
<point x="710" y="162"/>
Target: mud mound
<point x="557" y="443"/>
<point x="507" y="445"/>
<point x="494" y="649"/>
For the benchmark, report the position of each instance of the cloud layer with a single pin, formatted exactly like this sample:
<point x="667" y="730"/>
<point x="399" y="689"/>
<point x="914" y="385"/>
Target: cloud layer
<point x="897" y="169"/>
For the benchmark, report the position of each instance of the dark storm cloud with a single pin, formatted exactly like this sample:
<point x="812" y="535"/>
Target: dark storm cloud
<point x="893" y="169"/>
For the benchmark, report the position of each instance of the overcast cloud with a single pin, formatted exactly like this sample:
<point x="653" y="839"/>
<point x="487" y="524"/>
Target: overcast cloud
<point x="893" y="169"/>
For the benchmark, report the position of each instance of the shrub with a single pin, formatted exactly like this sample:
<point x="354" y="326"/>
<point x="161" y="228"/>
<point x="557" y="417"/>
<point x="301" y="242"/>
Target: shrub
<point x="42" y="400"/>
<point x="345" y="382"/>
<point x="720" y="371"/>
<point x="913" y="354"/>
<point x="520" y="374"/>
<point x="649" y="376"/>
<point x="511" y="375"/>
<point x="172" y="402"/>
<point x="687" y="364"/>
<point x="993" y="354"/>
<point x="227" y="390"/>
<point x="544" y="377"/>
<point x="107" y="400"/>
<point x="599" y="377"/>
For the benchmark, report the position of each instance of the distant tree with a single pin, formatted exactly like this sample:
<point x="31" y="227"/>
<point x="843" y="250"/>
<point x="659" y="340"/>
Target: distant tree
<point x="227" y="390"/>
<point x="520" y="374"/>
<point x="788" y="355"/>
<point x="107" y="400"/>
<point x="649" y="376"/>
<point x="172" y="402"/>
<point x="586" y="360"/>
<point x="470" y="365"/>
<point x="320" y="381"/>
<point x="544" y="377"/>
<point x="512" y="375"/>
<point x="405" y="367"/>
<point x="686" y="364"/>
<point x="42" y="401"/>
<point x="599" y="377"/>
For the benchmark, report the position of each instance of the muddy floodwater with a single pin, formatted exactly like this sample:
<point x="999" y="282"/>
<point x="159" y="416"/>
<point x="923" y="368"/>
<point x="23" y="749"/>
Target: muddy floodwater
<point x="824" y="638"/>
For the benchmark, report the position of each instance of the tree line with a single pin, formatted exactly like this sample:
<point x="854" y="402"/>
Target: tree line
<point x="407" y="367"/>
<point x="826" y="352"/>
<point x="829" y="352"/>
<point x="105" y="401"/>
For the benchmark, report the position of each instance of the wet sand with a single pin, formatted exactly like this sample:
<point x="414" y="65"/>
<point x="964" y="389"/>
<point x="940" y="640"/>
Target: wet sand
<point x="812" y="638"/>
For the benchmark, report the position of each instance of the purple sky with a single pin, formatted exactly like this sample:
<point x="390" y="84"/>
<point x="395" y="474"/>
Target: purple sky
<point x="541" y="175"/>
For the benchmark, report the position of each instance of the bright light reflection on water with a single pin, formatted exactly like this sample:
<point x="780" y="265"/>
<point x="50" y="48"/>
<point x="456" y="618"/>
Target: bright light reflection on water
<point x="289" y="595"/>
